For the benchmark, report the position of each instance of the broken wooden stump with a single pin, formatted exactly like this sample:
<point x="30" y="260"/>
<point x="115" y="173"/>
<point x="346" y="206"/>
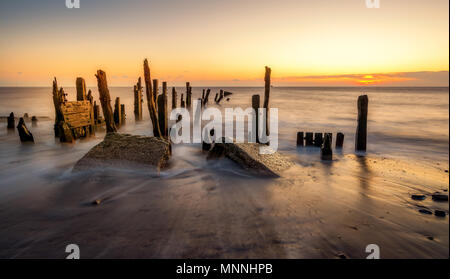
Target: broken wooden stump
<point x="163" y="112"/>
<point x="105" y="100"/>
<point x="361" y="130"/>
<point x="300" y="139"/>
<point x="24" y="134"/>
<point x="58" y="99"/>
<point x="151" y="100"/>
<point x="34" y="121"/>
<point x="339" y="140"/>
<point x="123" y="116"/>
<point x="81" y="89"/>
<point x="256" y="105"/>
<point x="318" y="139"/>
<point x="216" y="97"/>
<point x="206" y="99"/>
<point x="248" y="157"/>
<point x="207" y="143"/>
<point x="11" y="121"/>
<point x="331" y="137"/>
<point x="117" y="112"/>
<point x="309" y="140"/>
<point x="326" y="153"/>
<point x="138" y="100"/>
<point x="126" y="151"/>
<point x="220" y="97"/>
<point x="227" y="93"/>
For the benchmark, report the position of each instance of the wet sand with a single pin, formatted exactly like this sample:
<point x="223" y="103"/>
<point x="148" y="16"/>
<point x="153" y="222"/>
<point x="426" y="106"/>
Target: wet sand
<point x="200" y="210"/>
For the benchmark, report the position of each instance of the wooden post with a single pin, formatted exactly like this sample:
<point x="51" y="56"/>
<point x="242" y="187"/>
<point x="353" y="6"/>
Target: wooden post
<point x="162" y="111"/>
<point x="339" y="140"/>
<point x="309" y="139"/>
<point x="117" y="112"/>
<point x="205" y="101"/>
<point x="24" y="134"/>
<point x="326" y="153"/>
<point x="183" y="104"/>
<point x="266" y="97"/>
<point x="138" y="100"/>
<point x="256" y="105"/>
<point x="300" y="139"/>
<point x="155" y="90"/>
<point x="220" y="96"/>
<point x="361" y="130"/>
<point x="11" y="121"/>
<point x="216" y="97"/>
<point x="122" y="114"/>
<point x="188" y="95"/>
<point x="318" y="139"/>
<point x="331" y="137"/>
<point x="58" y="99"/>
<point x="174" y="98"/>
<point x="81" y="89"/>
<point x="151" y="100"/>
<point x="105" y="100"/>
<point x="96" y="113"/>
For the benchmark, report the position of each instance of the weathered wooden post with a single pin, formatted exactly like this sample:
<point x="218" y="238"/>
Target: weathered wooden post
<point x="300" y="139"/>
<point x="216" y="97"/>
<point x="361" y="130"/>
<point x="155" y="90"/>
<point x="331" y="137"/>
<point x="266" y="97"/>
<point x="205" y="101"/>
<point x="58" y="99"/>
<point x="174" y="98"/>
<point x="105" y="100"/>
<point x="151" y="100"/>
<point x="188" y="95"/>
<point x="34" y="121"/>
<point x="81" y="89"/>
<point x="162" y="111"/>
<point x="220" y="96"/>
<point x="96" y="113"/>
<point x="183" y="104"/>
<point x="138" y="100"/>
<point x="117" y="112"/>
<point x="309" y="141"/>
<point x="24" y="134"/>
<point x="326" y="153"/>
<point x="11" y="121"/>
<point x="318" y="139"/>
<point x="256" y="105"/>
<point x="339" y="140"/>
<point x="122" y="114"/>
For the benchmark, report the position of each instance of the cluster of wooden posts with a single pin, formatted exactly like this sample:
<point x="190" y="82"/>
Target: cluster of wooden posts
<point x="324" y="141"/>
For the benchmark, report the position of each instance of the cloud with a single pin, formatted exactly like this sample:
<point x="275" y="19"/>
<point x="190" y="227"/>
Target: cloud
<point x="422" y="78"/>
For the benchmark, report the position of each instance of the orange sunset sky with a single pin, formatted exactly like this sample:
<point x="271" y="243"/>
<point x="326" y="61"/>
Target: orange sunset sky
<point x="212" y="43"/>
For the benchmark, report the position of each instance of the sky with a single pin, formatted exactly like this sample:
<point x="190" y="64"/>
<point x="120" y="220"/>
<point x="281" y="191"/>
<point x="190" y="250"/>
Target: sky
<point x="226" y="42"/>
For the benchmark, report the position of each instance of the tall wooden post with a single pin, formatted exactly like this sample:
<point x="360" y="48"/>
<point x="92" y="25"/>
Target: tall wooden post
<point x="188" y="95"/>
<point x="174" y="98"/>
<point x="105" y="100"/>
<point x="266" y="97"/>
<point x="162" y="111"/>
<point x="155" y="89"/>
<point x="205" y="101"/>
<point x="361" y="130"/>
<point x="256" y="106"/>
<point x="183" y="103"/>
<point x="150" y="100"/>
<point x="138" y="100"/>
<point x="81" y="89"/>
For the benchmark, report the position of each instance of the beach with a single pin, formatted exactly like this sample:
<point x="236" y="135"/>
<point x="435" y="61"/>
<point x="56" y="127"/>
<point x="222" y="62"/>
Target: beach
<point x="214" y="209"/>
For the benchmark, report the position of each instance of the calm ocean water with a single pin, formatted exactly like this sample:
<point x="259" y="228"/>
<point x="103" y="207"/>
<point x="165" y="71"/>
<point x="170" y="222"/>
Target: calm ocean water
<point x="406" y="122"/>
<point x="199" y="208"/>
